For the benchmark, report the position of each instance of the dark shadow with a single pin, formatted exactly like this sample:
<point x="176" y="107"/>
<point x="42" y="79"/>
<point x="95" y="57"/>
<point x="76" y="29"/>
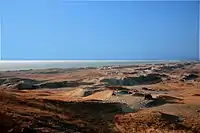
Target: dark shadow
<point x="31" y="84"/>
<point x="129" y="73"/>
<point x="138" y="94"/>
<point x="14" y="80"/>
<point x="61" y="116"/>
<point x="165" y="97"/>
<point x="115" y="87"/>
<point x="130" y="81"/>
<point x="196" y="95"/>
<point x="63" y="84"/>
<point x="160" y="102"/>
<point x="92" y="116"/>
<point x="191" y="76"/>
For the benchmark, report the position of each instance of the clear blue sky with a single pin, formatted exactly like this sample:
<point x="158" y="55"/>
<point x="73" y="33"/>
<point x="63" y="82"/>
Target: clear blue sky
<point x="59" y="29"/>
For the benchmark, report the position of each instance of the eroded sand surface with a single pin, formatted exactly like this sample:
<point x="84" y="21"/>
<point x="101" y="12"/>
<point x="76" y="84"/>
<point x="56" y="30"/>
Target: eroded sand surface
<point x="82" y="100"/>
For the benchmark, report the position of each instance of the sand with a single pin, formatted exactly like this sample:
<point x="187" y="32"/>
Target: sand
<point x="66" y="109"/>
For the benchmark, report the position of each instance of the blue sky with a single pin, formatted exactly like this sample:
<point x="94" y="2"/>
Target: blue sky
<point x="0" y="40"/>
<point x="59" y="29"/>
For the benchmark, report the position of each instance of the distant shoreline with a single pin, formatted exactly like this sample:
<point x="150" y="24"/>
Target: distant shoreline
<point x="27" y="65"/>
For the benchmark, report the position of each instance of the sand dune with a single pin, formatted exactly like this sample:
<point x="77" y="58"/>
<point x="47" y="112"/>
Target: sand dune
<point x="79" y="92"/>
<point x="102" y="95"/>
<point x="175" y="105"/>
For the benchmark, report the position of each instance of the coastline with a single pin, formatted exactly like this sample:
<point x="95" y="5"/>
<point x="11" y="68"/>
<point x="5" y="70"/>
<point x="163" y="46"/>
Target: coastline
<point x="26" y="65"/>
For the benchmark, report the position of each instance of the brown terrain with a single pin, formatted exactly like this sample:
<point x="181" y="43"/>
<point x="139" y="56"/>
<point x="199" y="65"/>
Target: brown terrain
<point x="151" y="98"/>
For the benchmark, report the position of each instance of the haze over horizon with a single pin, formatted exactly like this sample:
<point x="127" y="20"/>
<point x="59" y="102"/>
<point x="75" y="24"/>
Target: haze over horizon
<point x="24" y="65"/>
<point x="80" y="30"/>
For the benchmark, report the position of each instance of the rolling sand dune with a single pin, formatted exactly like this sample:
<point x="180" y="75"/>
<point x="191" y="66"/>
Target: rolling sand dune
<point x="82" y="101"/>
<point x="102" y="95"/>
<point x="74" y="93"/>
<point x="66" y="95"/>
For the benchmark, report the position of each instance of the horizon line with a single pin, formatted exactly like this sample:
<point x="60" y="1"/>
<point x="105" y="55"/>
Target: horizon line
<point x="72" y="61"/>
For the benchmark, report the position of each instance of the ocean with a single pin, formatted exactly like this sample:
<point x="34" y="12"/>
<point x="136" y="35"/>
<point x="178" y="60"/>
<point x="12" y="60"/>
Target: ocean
<point x="26" y="65"/>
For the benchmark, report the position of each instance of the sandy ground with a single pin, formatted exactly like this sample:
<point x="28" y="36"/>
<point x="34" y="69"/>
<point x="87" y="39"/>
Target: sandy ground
<point x="103" y="95"/>
<point x="101" y="112"/>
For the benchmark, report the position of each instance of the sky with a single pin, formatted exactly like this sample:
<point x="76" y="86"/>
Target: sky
<point x="199" y="30"/>
<point x="0" y="40"/>
<point x="131" y="30"/>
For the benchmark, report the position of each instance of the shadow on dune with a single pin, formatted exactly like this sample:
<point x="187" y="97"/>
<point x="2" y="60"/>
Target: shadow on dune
<point x="14" y="80"/>
<point x="161" y="100"/>
<point x="59" y="116"/>
<point x="130" y="81"/>
<point x="31" y="84"/>
<point x="63" y="84"/>
<point x="156" y="122"/>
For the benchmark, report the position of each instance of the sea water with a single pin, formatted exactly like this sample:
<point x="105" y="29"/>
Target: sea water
<point x="26" y="65"/>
